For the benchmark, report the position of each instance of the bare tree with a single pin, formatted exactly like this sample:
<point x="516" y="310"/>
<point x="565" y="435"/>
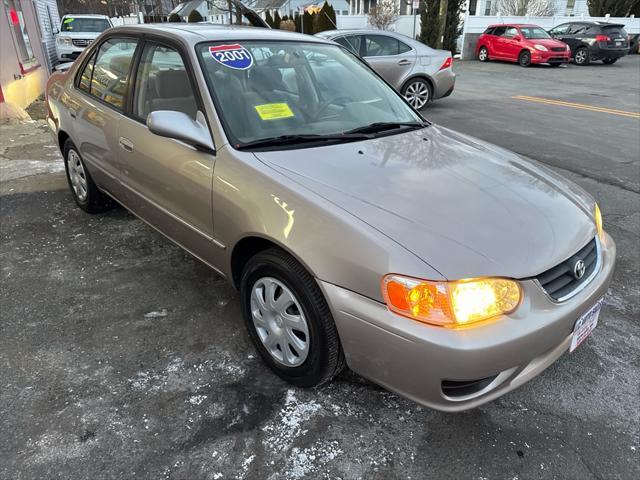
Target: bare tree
<point x="520" y="8"/>
<point x="384" y="14"/>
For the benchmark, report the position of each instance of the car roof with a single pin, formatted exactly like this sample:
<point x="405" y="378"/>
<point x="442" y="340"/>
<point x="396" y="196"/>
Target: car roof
<point x="202" y="31"/>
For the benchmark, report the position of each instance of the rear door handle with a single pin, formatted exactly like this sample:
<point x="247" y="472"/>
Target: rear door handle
<point x="126" y="144"/>
<point x="72" y="113"/>
<point x="404" y="62"/>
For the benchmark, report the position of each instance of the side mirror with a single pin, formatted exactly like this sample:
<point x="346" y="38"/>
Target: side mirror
<point x="517" y="38"/>
<point x="180" y="126"/>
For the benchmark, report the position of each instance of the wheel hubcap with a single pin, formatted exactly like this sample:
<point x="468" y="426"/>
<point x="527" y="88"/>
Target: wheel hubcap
<point x="483" y="54"/>
<point x="77" y="175"/>
<point x="417" y="94"/>
<point x="279" y="322"/>
<point x="581" y="56"/>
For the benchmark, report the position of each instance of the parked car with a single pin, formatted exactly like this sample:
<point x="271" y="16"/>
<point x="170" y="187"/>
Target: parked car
<point x="439" y="266"/>
<point x="525" y="44"/>
<point x="77" y="32"/>
<point x="593" y="41"/>
<point x="420" y="73"/>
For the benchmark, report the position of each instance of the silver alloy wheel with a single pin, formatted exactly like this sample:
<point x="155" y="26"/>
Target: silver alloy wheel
<point x="77" y="175"/>
<point x="279" y="322"/>
<point x="482" y="54"/>
<point x="581" y="56"/>
<point x="417" y="94"/>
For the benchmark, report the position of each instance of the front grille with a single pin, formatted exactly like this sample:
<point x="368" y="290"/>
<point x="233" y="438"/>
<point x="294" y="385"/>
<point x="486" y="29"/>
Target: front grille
<point x="558" y="49"/>
<point x="457" y="389"/>
<point x="81" y="42"/>
<point x="563" y="279"/>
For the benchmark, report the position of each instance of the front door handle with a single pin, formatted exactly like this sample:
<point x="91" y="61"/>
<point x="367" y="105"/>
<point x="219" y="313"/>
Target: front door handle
<point x="404" y="62"/>
<point x="126" y="144"/>
<point x="72" y="113"/>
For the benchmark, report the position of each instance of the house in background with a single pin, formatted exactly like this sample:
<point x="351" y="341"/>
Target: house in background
<point x="27" y="51"/>
<point x="568" y="8"/>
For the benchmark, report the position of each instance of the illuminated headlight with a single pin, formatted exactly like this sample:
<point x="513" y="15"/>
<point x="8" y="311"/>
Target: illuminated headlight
<point x="451" y="304"/>
<point x="65" y="41"/>
<point x="597" y="216"/>
<point x="542" y="48"/>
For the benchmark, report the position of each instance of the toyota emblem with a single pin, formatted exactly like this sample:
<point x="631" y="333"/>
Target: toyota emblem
<point x="578" y="269"/>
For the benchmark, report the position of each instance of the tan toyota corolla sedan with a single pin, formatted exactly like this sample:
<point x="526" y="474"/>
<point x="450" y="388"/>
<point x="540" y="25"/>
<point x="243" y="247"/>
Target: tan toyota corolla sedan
<point x="439" y="266"/>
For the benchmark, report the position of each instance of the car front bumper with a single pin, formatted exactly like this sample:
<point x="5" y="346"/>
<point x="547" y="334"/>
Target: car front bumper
<point x="68" y="53"/>
<point x="414" y="359"/>
<point x="550" y="57"/>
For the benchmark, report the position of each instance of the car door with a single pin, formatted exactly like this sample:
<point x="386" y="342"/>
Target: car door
<point x="390" y="57"/>
<point x="560" y="32"/>
<point x="168" y="182"/>
<point x="511" y="43"/>
<point x="498" y="47"/>
<point x="97" y="108"/>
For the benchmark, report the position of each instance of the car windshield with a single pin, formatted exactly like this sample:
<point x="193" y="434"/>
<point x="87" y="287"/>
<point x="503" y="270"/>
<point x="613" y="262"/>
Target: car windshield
<point x="71" y="24"/>
<point x="534" y="32"/>
<point x="269" y="90"/>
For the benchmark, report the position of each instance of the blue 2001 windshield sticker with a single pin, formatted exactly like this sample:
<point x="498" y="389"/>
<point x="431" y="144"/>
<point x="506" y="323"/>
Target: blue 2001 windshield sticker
<point x="232" y="56"/>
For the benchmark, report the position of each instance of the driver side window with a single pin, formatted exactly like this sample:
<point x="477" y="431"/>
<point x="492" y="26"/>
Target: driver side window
<point x="163" y="83"/>
<point x="560" y="29"/>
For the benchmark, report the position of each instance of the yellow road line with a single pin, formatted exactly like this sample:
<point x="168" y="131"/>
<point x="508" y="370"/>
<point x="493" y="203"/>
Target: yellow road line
<point x="580" y="106"/>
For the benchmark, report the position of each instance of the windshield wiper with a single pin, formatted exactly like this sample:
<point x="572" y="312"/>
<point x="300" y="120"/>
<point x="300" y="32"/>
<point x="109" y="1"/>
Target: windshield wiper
<point x="382" y="126"/>
<point x="284" y="140"/>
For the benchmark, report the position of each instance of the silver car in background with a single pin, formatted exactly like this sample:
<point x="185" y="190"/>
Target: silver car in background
<point x="420" y="73"/>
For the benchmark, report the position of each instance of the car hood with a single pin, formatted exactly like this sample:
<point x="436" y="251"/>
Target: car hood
<point x="90" y="35"/>
<point x="547" y="42"/>
<point x="465" y="207"/>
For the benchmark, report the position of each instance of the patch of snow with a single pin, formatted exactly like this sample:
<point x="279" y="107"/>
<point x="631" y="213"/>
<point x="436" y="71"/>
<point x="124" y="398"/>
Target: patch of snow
<point x="156" y="314"/>
<point x="197" y="399"/>
<point x="15" y="169"/>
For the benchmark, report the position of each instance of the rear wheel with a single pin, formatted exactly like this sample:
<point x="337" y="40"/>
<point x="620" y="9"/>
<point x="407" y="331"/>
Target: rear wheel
<point x="85" y="192"/>
<point x="289" y="320"/>
<point x="582" y="56"/>
<point x="483" y="54"/>
<point x="609" y="61"/>
<point x="524" y="59"/>
<point x="417" y="92"/>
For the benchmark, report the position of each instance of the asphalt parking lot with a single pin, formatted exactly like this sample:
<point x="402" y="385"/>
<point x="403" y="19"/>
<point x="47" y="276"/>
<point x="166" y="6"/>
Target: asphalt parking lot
<point x="122" y="356"/>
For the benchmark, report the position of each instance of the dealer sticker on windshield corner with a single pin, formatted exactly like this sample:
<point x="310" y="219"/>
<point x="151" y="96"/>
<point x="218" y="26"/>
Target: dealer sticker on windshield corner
<point x="233" y="56"/>
<point x="585" y="325"/>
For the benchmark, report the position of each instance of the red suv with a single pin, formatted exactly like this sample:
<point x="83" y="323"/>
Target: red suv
<point x="525" y="44"/>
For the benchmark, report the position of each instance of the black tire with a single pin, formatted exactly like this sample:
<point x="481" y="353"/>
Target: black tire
<point x="582" y="56"/>
<point x="483" y="54"/>
<point x="325" y="358"/>
<point x="94" y="201"/>
<point x="609" y="61"/>
<point x="524" y="59"/>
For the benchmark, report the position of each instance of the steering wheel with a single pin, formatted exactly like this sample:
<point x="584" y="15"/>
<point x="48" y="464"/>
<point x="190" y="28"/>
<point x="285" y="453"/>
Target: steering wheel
<point x="324" y="105"/>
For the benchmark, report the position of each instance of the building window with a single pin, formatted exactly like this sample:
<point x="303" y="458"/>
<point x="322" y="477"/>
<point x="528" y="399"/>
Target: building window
<point x="20" y="36"/>
<point x="473" y="4"/>
<point x="570" y="7"/>
<point x="487" y="8"/>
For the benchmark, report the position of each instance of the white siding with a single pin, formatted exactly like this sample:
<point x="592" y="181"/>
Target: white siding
<point x="580" y="7"/>
<point x="49" y="20"/>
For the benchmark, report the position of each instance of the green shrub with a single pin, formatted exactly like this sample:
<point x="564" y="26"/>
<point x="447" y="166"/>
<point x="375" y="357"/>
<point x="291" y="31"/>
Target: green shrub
<point x="194" y="17"/>
<point x="175" y="18"/>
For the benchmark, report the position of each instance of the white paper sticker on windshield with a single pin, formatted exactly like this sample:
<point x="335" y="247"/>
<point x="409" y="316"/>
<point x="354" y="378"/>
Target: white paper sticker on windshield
<point x="233" y="56"/>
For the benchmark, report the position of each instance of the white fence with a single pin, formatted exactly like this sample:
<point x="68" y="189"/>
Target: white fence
<point x="404" y="24"/>
<point x="478" y="23"/>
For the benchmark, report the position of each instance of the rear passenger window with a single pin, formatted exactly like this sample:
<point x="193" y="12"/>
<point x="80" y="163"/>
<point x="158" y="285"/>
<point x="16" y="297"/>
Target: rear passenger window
<point x="163" y="83"/>
<point x="510" y="32"/>
<point x="404" y="48"/>
<point x="499" y="31"/>
<point x="111" y="71"/>
<point x="381" y="45"/>
<point x="87" y="73"/>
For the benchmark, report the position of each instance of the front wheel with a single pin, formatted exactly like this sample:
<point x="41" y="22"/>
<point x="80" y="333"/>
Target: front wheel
<point x="289" y="320"/>
<point x="609" y="61"/>
<point x="524" y="59"/>
<point x="417" y="92"/>
<point x="483" y="54"/>
<point x="582" y="56"/>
